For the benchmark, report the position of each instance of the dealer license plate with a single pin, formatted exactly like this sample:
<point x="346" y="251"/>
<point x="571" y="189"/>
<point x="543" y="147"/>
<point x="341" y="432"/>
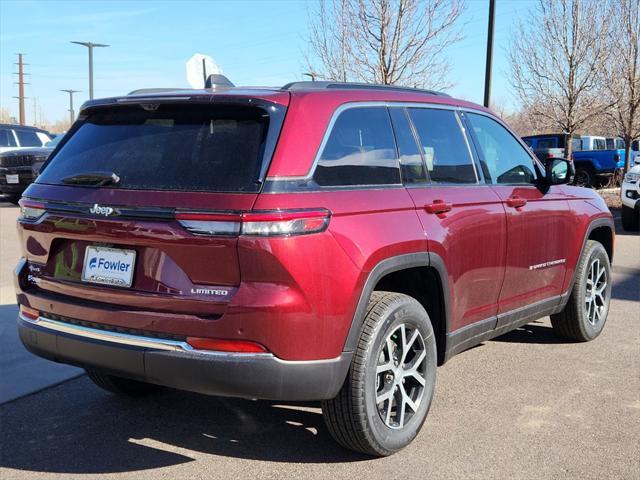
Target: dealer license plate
<point x="108" y="266"/>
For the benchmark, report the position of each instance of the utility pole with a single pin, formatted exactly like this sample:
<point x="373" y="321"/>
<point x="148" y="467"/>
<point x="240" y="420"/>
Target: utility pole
<point x="72" y="115"/>
<point x="90" y="46"/>
<point x="21" y="83"/>
<point x="487" y="73"/>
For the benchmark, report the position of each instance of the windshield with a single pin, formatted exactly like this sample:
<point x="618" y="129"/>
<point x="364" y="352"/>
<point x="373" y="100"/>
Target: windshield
<point x="55" y="141"/>
<point x="168" y="147"/>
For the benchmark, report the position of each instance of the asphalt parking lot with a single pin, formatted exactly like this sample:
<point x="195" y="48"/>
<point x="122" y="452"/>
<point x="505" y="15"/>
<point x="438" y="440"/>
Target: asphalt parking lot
<point x="525" y="405"/>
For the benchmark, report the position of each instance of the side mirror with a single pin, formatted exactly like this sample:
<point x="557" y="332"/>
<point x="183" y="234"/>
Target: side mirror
<point x="558" y="171"/>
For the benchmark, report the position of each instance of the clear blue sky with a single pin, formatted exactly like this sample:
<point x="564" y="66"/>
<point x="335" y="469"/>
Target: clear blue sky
<point x="254" y="42"/>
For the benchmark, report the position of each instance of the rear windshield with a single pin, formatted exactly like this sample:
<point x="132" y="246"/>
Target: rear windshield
<point x="174" y="147"/>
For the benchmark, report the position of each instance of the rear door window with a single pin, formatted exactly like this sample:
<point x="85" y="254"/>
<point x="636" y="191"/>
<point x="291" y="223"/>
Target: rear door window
<point x="444" y="147"/>
<point x="174" y="147"/>
<point x="599" y="144"/>
<point x="28" y="138"/>
<point x="413" y="168"/>
<point x="360" y="150"/>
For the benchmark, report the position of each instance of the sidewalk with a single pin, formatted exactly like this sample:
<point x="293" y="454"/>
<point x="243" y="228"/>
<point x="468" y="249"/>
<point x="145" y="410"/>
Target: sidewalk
<point x="21" y="373"/>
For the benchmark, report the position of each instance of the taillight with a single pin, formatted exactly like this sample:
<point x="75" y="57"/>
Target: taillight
<point x="285" y="222"/>
<point x="260" y="223"/>
<point x="28" y="312"/>
<point x="30" y="210"/>
<point x="210" y="223"/>
<point x="220" y="345"/>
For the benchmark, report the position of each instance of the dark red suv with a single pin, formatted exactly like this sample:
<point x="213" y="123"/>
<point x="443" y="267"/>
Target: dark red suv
<point x="320" y="241"/>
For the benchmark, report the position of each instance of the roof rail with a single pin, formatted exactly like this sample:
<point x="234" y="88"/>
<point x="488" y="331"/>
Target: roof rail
<point x="326" y="85"/>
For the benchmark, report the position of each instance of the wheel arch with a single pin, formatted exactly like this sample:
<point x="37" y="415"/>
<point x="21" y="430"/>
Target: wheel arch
<point x="422" y="276"/>
<point x="602" y="230"/>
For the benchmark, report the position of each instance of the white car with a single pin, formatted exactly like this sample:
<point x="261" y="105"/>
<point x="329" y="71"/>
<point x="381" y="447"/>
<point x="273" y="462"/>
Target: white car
<point x="630" y="194"/>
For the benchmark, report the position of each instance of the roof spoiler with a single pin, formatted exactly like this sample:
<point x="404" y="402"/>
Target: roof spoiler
<point x="216" y="80"/>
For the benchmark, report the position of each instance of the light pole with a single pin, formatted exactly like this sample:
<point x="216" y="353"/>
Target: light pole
<point x="90" y="46"/>
<point x="487" y="72"/>
<point x="72" y="115"/>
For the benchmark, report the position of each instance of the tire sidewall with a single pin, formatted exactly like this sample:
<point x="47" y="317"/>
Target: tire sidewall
<point x="412" y="314"/>
<point x="586" y="176"/>
<point x="590" y="330"/>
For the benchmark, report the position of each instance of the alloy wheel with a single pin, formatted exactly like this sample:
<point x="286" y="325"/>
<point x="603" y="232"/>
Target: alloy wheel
<point x="595" y="298"/>
<point x="400" y="376"/>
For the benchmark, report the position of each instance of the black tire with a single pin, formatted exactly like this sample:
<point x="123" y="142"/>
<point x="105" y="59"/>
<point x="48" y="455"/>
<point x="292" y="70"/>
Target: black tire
<point x="583" y="177"/>
<point x="121" y="386"/>
<point x="575" y="321"/>
<point x="353" y="416"/>
<point x="630" y="219"/>
<point x="12" y="198"/>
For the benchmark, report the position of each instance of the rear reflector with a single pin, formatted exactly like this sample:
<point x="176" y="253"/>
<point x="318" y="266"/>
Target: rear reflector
<point x="218" y="345"/>
<point x="30" y="210"/>
<point x="29" y="312"/>
<point x="262" y="223"/>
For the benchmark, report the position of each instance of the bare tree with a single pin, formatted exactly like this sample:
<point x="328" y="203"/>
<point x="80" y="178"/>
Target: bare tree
<point x="330" y="40"/>
<point x="623" y="73"/>
<point x="557" y="59"/>
<point x="60" y="126"/>
<point x="5" y="116"/>
<point x="384" y="41"/>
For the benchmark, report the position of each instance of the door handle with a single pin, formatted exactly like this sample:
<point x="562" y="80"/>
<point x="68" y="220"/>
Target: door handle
<point x="438" y="206"/>
<point x="516" y="202"/>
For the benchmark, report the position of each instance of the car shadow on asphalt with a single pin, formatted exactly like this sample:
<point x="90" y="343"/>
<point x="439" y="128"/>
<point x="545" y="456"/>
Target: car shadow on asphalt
<point x="77" y="428"/>
<point x="531" y="333"/>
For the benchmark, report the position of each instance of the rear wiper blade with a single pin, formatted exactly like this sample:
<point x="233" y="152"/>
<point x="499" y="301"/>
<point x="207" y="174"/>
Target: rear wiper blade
<point x="95" y="179"/>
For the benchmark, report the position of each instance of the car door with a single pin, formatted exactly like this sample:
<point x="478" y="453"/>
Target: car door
<point x="463" y="219"/>
<point x="538" y="217"/>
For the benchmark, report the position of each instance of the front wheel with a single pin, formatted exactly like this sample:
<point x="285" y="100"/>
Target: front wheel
<point x="388" y="391"/>
<point x="585" y="313"/>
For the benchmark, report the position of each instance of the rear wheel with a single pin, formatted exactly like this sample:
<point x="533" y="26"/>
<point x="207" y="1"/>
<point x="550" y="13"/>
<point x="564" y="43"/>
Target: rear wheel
<point x="388" y="390"/>
<point x="121" y="386"/>
<point x="630" y="219"/>
<point x="585" y="313"/>
<point x="583" y="177"/>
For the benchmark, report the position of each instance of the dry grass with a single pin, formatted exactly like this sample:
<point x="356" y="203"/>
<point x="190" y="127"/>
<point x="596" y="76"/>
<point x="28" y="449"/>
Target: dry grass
<point x="611" y="197"/>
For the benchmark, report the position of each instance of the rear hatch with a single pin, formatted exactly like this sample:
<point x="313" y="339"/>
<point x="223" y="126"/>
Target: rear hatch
<point x="109" y="219"/>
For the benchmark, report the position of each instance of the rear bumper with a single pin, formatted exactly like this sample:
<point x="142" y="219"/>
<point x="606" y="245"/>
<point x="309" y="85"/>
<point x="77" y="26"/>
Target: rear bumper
<point x="175" y="364"/>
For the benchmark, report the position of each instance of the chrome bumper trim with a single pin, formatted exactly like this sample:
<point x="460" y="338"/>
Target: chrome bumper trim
<point x="128" y="339"/>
